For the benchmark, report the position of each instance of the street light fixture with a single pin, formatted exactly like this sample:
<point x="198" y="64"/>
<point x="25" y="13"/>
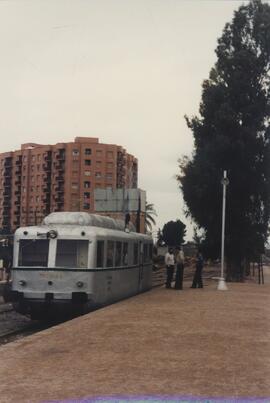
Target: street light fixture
<point x="222" y="283"/>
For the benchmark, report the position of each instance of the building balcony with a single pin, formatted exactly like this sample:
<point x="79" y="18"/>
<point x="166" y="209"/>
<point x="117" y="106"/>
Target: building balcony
<point x="7" y="174"/>
<point x="6" y="214"/>
<point x="60" y="157"/>
<point x="59" y="199"/>
<point x="18" y="162"/>
<point x="8" y="164"/>
<point x="60" y="167"/>
<point x="46" y="189"/>
<point x="46" y="167"/>
<point x="60" y="178"/>
<point x="47" y="198"/>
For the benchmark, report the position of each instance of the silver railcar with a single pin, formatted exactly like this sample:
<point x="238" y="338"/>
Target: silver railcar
<point x="77" y="262"/>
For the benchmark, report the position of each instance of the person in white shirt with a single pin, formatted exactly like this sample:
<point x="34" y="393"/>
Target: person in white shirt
<point x="180" y="260"/>
<point x="169" y="262"/>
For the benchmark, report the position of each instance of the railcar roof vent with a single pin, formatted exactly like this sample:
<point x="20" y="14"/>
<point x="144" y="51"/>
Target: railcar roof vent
<point x="85" y="219"/>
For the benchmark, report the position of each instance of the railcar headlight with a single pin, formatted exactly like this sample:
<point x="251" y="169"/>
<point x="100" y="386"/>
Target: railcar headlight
<point x="52" y="234"/>
<point x="79" y="284"/>
<point x="22" y="282"/>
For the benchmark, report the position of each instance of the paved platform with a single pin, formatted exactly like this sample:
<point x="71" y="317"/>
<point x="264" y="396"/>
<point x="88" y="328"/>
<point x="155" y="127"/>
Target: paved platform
<point x="195" y="343"/>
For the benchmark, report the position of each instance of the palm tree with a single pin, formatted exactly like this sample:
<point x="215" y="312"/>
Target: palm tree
<point x="150" y="213"/>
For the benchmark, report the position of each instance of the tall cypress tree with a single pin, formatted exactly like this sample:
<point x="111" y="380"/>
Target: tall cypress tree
<point x="232" y="132"/>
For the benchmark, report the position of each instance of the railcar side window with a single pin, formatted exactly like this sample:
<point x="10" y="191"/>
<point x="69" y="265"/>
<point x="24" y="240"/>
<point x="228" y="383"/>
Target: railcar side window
<point x="72" y="253"/>
<point x="125" y="253"/>
<point x="150" y="252"/>
<point x="100" y="253"/>
<point x="118" y="260"/>
<point x="33" y="252"/>
<point x="135" y="253"/>
<point x="145" y="253"/>
<point x="110" y="253"/>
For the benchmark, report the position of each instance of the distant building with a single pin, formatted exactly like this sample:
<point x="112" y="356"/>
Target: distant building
<point x="39" y="179"/>
<point x="127" y="204"/>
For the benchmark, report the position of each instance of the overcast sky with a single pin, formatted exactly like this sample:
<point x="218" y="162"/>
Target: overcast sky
<point x="124" y="71"/>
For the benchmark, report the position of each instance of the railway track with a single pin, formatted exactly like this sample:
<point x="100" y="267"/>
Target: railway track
<point x="10" y="336"/>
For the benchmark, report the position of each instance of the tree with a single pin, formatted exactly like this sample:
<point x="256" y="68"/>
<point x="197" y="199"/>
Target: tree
<point x="159" y="237"/>
<point x="233" y="133"/>
<point x="150" y="213"/>
<point x="173" y="233"/>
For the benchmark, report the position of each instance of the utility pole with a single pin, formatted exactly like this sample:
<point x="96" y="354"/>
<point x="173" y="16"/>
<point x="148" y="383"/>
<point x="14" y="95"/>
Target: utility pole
<point x="222" y="283"/>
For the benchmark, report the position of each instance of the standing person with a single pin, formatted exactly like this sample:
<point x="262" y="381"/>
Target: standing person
<point x="169" y="262"/>
<point x="180" y="259"/>
<point x="197" y="279"/>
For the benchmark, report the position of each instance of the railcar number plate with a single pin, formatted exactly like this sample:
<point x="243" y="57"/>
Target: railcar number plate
<point x="51" y="276"/>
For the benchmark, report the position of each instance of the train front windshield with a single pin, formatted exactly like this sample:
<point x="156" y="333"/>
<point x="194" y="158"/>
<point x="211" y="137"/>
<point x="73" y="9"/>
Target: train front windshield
<point x="34" y="252"/>
<point x="72" y="253"/>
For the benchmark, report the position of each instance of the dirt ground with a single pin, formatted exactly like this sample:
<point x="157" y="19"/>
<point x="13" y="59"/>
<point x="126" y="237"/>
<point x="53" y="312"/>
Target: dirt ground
<point x="195" y="343"/>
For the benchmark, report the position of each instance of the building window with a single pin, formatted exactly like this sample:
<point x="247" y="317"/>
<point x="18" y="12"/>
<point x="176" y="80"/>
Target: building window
<point x="88" y="151"/>
<point x="86" y="195"/>
<point x="109" y="165"/>
<point x="109" y="154"/>
<point x="109" y="176"/>
<point x="98" y="175"/>
<point x="99" y="153"/>
<point x="86" y="206"/>
<point x="87" y="162"/>
<point x="75" y="152"/>
<point x="87" y="173"/>
<point x="87" y="184"/>
<point x="74" y="185"/>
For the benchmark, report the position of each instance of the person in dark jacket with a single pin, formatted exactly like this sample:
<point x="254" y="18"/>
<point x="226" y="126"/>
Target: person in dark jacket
<point x="197" y="279"/>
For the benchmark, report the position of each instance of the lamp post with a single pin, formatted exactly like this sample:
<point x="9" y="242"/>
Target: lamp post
<point x="222" y="283"/>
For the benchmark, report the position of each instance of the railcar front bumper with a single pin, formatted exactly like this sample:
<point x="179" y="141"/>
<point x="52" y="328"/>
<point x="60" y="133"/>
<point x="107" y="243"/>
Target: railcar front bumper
<point x="51" y="305"/>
